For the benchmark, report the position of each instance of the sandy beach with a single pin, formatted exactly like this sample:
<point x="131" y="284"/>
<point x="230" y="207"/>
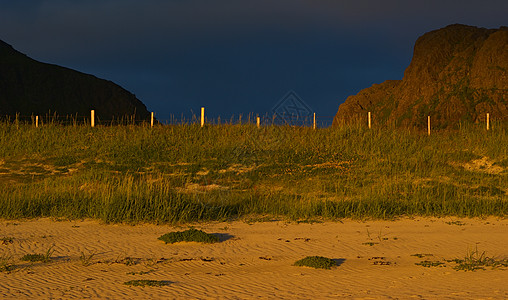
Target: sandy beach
<point x="376" y="260"/>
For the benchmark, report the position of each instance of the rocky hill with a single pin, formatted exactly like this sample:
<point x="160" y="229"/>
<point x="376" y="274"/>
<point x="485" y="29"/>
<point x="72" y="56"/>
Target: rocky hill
<point x="457" y="74"/>
<point x="30" y="87"/>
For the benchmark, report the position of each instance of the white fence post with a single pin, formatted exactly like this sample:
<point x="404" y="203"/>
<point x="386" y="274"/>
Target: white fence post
<point x="202" y="116"/>
<point x="428" y="125"/>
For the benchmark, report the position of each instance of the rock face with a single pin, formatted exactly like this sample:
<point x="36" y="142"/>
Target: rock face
<point x="457" y="74"/>
<point x="30" y="87"/>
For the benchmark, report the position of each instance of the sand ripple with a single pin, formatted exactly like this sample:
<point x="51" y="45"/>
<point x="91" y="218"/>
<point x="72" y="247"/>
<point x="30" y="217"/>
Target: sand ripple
<point x="93" y="260"/>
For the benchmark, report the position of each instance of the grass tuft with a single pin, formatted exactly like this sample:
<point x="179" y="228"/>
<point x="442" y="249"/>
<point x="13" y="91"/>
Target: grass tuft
<point x="474" y="260"/>
<point x="429" y="263"/>
<point x="46" y="257"/>
<point x="318" y="262"/>
<point x="145" y="282"/>
<point x="190" y="235"/>
<point x="33" y="257"/>
<point x="86" y="258"/>
<point x="7" y="240"/>
<point x="5" y="264"/>
<point x="422" y="255"/>
<point x="140" y="272"/>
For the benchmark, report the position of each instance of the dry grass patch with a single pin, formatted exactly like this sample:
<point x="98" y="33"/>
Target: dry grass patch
<point x="485" y="165"/>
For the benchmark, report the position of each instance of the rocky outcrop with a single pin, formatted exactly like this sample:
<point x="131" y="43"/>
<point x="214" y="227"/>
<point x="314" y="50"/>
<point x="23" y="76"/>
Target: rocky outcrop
<point x="30" y="87"/>
<point x="457" y="74"/>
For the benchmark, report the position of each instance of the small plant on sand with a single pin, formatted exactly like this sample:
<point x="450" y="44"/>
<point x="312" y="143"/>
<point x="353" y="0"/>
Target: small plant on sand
<point x="46" y="257"/>
<point x="86" y="259"/>
<point x="370" y="243"/>
<point x="458" y="223"/>
<point x="7" y="240"/>
<point x="474" y="260"/>
<point x="422" y="255"/>
<point x="140" y="272"/>
<point x="318" y="262"/>
<point x="190" y="235"/>
<point x="145" y="282"/>
<point x="5" y="263"/>
<point x="127" y="260"/>
<point x="429" y="263"/>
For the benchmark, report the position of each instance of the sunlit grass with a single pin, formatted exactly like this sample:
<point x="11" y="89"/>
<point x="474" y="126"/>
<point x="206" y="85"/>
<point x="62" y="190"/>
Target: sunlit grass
<point x="185" y="173"/>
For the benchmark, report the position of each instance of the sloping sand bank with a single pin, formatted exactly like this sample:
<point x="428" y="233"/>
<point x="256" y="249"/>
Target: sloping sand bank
<point x="376" y="260"/>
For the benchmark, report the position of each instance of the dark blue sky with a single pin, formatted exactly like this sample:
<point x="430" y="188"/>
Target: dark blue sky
<point x="235" y="56"/>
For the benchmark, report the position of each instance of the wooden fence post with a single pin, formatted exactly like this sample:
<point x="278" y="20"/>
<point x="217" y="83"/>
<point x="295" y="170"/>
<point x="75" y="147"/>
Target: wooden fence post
<point x="370" y="124"/>
<point x="314" y="122"/>
<point x="36" y="121"/>
<point x="202" y="116"/>
<point x="428" y="125"/>
<point x="92" y="116"/>
<point x="151" y="119"/>
<point x="258" y="121"/>
<point x="488" y="121"/>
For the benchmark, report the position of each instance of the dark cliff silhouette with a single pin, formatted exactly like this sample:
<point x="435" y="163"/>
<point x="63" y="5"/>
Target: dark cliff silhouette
<point x="29" y="87"/>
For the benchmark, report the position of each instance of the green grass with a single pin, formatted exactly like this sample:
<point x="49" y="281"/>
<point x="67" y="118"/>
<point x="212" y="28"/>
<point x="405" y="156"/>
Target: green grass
<point x="46" y="257"/>
<point x="33" y="257"/>
<point x="86" y="258"/>
<point x="185" y="173"/>
<point x="140" y="272"/>
<point x="7" y="240"/>
<point x="5" y="263"/>
<point x="422" y="255"/>
<point x="190" y="235"/>
<point x="474" y="260"/>
<point x="429" y="263"/>
<point x="145" y="282"/>
<point x="318" y="262"/>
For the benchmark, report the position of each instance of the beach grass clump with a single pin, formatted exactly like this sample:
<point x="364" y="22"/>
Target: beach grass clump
<point x="86" y="258"/>
<point x="429" y="263"/>
<point x="474" y="260"/>
<point x="35" y="257"/>
<point x="7" y="240"/>
<point x="190" y="235"/>
<point x="422" y="255"/>
<point x="318" y="262"/>
<point x="5" y="263"/>
<point x="146" y="282"/>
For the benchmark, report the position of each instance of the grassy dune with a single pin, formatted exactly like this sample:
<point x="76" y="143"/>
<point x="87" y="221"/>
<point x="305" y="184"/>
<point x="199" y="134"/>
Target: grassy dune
<point x="182" y="173"/>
